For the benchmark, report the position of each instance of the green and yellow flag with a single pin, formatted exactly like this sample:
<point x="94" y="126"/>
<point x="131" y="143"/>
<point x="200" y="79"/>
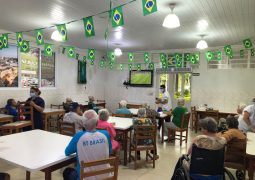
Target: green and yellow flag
<point x="121" y="67"/>
<point x="5" y="40"/>
<point x="25" y="47"/>
<point x="77" y="56"/>
<point x="138" y="67"/>
<point x="117" y="17"/>
<point x="164" y="64"/>
<point x="247" y="43"/>
<point x="228" y="50"/>
<point x="84" y="58"/>
<point x="162" y="57"/>
<point x="130" y="66"/>
<point x="252" y="52"/>
<point x="218" y="55"/>
<point x="192" y="59"/>
<point x="48" y="50"/>
<point x="102" y="63"/>
<point x="39" y="37"/>
<point x="70" y="52"/>
<point x="1" y="42"/>
<point x="111" y="56"/>
<point x="146" y="58"/>
<point x="241" y="53"/>
<point x="197" y="57"/>
<point x="149" y="6"/>
<point x="186" y="56"/>
<point x="89" y="26"/>
<point x="62" y="31"/>
<point x="92" y="61"/>
<point x="111" y="65"/>
<point x="91" y="54"/>
<point x="151" y="66"/>
<point x="130" y="57"/>
<point x="19" y="37"/>
<point x="209" y="55"/>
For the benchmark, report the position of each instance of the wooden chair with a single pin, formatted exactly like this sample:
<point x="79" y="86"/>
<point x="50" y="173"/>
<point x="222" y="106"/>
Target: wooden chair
<point x="142" y="133"/>
<point x="3" y="111"/>
<point x="214" y="114"/>
<point x="134" y="106"/>
<point x="56" y="106"/>
<point x="235" y="155"/>
<point x="122" y="115"/>
<point x="66" y="128"/>
<point x="194" y="119"/>
<point x="181" y="130"/>
<point x="111" y="168"/>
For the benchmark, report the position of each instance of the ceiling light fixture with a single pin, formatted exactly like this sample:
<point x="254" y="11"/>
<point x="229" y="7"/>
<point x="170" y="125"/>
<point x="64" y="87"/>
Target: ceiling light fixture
<point x="56" y="36"/>
<point x="117" y="52"/>
<point x="202" y="44"/>
<point x="171" y="20"/>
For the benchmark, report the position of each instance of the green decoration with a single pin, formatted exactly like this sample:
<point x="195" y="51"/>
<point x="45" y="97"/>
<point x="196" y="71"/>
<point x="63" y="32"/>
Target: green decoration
<point x="192" y="59"/>
<point x="111" y="56"/>
<point x="25" y="46"/>
<point x="89" y="26"/>
<point x="91" y="54"/>
<point x="247" y="43"/>
<point x="102" y="64"/>
<point x="164" y="64"/>
<point x="63" y="50"/>
<point x="151" y="66"/>
<point x="209" y="55"/>
<point x="48" y="50"/>
<point x="121" y="67"/>
<point x="178" y="56"/>
<point x="130" y="57"/>
<point x="1" y="42"/>
<point x="252" y="52"/>
<point x="19" y="37"/>
<point x="70" y="52"/>
<point x="146" y="58"/>
<point x="138" y="67"/>
<point x="84" y="58"/>
<point x="111" y="65"/>
<point x="149" y="6"/>
<point x="117" y="17"/>
<point x="39" y="37"/>
<point x="162" y="57"/>
<point x="218" y="55"/>
<point x="5" y="41"/>
<point x="92" y="62"/>
<point x="197" y="57"/>
<point x="77" y="56"/>
<point x="228" y="50"/>
<point x="186" y="56"/>
<point x="62" y="31"/>
<point x="242" y="53"/>
<point x="82" y="69"/>
<point x="130" y="66"/>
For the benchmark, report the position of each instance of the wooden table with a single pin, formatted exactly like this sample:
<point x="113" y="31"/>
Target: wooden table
<point x="134" y="105"/>
<point x="4" y="118"/>
<point x="123" y="125"/>
<point x="250" y="154"/>
<point x="51" y="112"/>
<point x="36" y="150"/>
<point x="85" y="106"/>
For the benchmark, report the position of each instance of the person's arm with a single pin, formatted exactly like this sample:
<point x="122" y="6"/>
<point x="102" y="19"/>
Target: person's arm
<point x="246" y="118"/>
<point x="38" y="108"/>
<point x="190" y="147"/>
<point x="227" y="135"/>
<point x="108" y="139"/>
<point x="72" y="146"/>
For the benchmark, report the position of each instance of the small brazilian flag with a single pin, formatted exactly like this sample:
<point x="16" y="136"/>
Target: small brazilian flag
<point x="111" y="56"/>
<point x="228" y="50"/>
<point x="146" y="57"/>
<point x="111" y="65"/>
<point x="192" y="59"/>
<point x="178" y="56"/>
<point x="92" y="62"/>
<point x="89" y="26"/>
<point x="162" y="57"/>
<point x="252" y="52"/>
<point x="5" y="41"/>
<point x="84" y="58"/>
<point x="1" y="42"/>
<point x="218" y="55"/>
<point x="24" y="47"/>
<point x="77" y="56"/>
<point x="130" y="66"/>
<point x="247" y="43"/>
<point x="242" y="53"/>
<point x="39" y="37"/>
<point x="117" y="17"/>
<point x="186" y="56"/>
<point x="209" y="55"/>
<point x="48" y="50"/>
<point x="121" y="67"/>
<point x="178" y="63"/>
<point x="151" y="66"/>
<point x="62" y="31"/>
<point x="149" y="6"/>
<point x="70" y="52"/>
<point x="138" y="67"/>
<point x="130" y="57"/>
<point x="102" y="64"/>
<point x="197" y="57"/>
<point x="164" y="64"/>
<point x="19" y="37"/>
<point x="91" y="54"/>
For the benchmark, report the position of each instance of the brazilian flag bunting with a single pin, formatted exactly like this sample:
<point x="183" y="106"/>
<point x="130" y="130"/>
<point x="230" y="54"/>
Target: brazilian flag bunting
<point x="117" y="17"/>
<point x="192" y="59"/>
<point x="77" y="56"/>
<point x="121" y="67"/>
<point x="252" y="52"/>
<point x="62" y="31"/>
<point x="48" y="50"/>
<point x="138" y="67"/>
<point x="146" y="57"/>
<point x="242" y="53"/>
<point x="25" y="47"/>
<point x="70" y="52"/>
<point x="151" y="66"/>
<point x="162" y="57"/>
<point x="218" y="55"/>
<point x="209" y="55"/>
<point x="111" y="65"/>
<point x="5" y="41"/>
<point x="1" y="42"/>
<point x="92" y="62"/>
<point x="247" y="43"/>
<point x="111" y="56"/>
<point x="89" y="26"/>
<point x="228" y="50"/>
<point x="130" y="57"/>
<point x="84" y="58"/>
<point x="19" y="37"/>
<point x="178" y="63"/>
<point x="39" y="37"/>
<point x="102" y="64"/>
<point x="164" y="64"/>
<point x="130" y="66"/>
<point x="149" y="6"/>
<point x="186" y="56"/>
<point x="91" y="54"/>
<point x="197" y="57"/>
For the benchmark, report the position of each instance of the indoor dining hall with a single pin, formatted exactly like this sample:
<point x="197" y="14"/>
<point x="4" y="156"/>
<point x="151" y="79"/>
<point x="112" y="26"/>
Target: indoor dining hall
<point x="127" y="90"/>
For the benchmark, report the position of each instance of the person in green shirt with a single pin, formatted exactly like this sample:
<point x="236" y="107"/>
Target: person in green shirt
<point x="176" y="115"/>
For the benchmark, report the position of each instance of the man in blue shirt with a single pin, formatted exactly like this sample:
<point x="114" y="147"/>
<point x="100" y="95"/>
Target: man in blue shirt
<point x="90" y="145"/>
<point x="123" y="108"/>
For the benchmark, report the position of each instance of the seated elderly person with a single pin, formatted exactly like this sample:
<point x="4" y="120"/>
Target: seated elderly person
<point x="91" y="104"/>
<point x="11" y="108"/>
<point x="67" y="105"/>
<point x="74" y="116"/>
<point x="91" y="145"/>
<point x="103" y="115"/>
<point x="177" y="114"/>
<point x="123" y="108"/>
<point x="233" y="132"/>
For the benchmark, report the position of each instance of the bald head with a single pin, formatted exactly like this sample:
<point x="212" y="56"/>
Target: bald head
<point x="91" y="118"/>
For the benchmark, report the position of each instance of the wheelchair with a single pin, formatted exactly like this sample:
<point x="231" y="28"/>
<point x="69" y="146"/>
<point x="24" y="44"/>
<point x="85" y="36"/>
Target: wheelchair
<point x="204" y="164"/>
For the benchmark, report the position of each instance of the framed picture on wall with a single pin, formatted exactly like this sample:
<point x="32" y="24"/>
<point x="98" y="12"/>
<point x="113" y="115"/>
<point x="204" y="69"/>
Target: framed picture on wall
<point x="82" y="72"/>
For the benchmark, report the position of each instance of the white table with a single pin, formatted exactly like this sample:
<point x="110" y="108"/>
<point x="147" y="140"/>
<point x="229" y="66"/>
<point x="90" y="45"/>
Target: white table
<point x="250" y="154"/>
<point x="134" y="111"/>
<point x="6" y="118"/>
<point x="36" y="150"/>
<point x="51" y="112"/>
<point x="123" y="125"/>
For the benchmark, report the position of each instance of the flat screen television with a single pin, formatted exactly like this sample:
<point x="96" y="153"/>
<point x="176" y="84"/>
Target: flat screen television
<point x="142" y="78"/>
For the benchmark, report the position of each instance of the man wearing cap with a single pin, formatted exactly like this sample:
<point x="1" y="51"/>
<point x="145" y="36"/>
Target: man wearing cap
<point x="248" y="121"/>
<point x="74" y="116"/>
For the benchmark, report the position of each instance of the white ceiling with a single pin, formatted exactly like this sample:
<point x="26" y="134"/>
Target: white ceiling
<point x="230" y="21"/>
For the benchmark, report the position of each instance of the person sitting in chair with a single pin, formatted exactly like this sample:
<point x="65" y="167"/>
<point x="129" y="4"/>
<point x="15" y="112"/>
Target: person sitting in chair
<point x="67" y="105"/>
<point x="123" y="108"/>
<point x="11" y="108"/>
<point x="91" y="104"/>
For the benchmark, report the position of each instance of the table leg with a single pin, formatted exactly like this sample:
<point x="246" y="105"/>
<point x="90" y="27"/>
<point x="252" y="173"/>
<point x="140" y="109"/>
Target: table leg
<point x="47" y="175"/>
<point x="163" y="129"/>
<point x="28" y="175"/>
<point x="125" y="144"/>
<point x="45" y="122"/>
<point x="251" y="168"/>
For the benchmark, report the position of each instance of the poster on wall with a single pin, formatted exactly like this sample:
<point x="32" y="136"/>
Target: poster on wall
<point x="47" y="70"/>
<point x="30" y="68"/>
<point x="9" y="67"/>
<point x="82" y="68"/>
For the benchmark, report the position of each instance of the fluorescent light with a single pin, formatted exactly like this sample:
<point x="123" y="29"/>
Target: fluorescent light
<point x="117" y="52"/>
<point x="202" y="25"/>
<point x="118" y="35"/>
<point x="56" y="36"/>
<point x="171" y="20"/>
<point x="202" y="44"/>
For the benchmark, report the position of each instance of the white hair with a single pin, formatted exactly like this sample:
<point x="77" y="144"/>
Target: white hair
<point x="91" y="119"/>
<point x="69" y="99"/>
<point x="91" y="98"/>
<point x="123" y="103"/>
<point x="180" y="101"/>
<point x="103" y="114"/>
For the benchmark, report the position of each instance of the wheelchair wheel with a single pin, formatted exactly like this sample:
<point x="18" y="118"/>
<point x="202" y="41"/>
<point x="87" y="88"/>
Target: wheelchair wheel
<point x="228" y="174"/>
<point x="239" y="175"/>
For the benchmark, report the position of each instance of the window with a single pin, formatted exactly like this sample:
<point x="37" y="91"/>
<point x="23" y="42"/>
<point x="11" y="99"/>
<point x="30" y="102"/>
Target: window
<point x="47" y="71"/>
<point x="183" y="86"/>
<point x="9" y="67"/>
<point x="178" y="86"/>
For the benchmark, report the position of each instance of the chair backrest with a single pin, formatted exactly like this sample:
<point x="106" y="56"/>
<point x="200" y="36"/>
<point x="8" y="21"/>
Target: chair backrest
<point x="185" y="120"/>
<point x="66" y="128"/>
<point x="213" y="113"/>
<point x="3" y="111"/>
<point x="27" y="111"/>
<point x="207" y="162"/>
<point x="134" y="106"/>
<point x="57" y="106"/>
<point x="193" y="113"/>
<point x="145" y="132"/>
<point x="112" y="169"/>
<point x="123" y="115"/>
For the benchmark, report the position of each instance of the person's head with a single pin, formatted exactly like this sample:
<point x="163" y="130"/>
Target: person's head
<point x="69" y="100"/>
<point x="123" y="103"/>
<point x="34" y="91"/>
<point x="232" y="122"/>
<point x="240" y="108"/>
<point x="180" y="102"/>
<point x="74" y="107"/>
<point x="141" y="113"/>
<point x="208" y="125"/>
<point x="11" y="102"/>
<point x="91" y="118"/>
<point x="91" y="99"/>
<point x="162" y="88"/>
<point x="103" y="114"/>
<point x="253" y="100"/>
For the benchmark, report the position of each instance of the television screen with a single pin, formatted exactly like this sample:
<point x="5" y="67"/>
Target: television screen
<point x="142" y="78"/>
